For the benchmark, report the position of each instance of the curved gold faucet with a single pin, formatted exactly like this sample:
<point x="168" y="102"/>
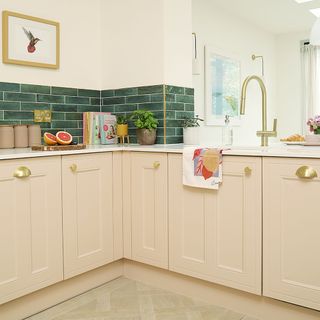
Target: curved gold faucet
<point x="264" y="133"/>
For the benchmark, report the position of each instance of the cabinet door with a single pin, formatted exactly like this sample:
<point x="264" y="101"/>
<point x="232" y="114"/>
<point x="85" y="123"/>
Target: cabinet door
<point x="149" y="208"/>
<point x="215" y="235"/>
<point x="291" y="232"/>
<point x="87" y="181"/>
<point x="30" y="226"/>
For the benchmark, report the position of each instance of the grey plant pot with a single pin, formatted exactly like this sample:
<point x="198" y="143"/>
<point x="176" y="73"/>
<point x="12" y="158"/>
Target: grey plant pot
<point x="146" y="136"/>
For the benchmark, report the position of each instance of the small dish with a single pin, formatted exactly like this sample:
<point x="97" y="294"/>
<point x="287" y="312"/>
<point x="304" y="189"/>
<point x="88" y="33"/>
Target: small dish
<point x="294" y="142"/>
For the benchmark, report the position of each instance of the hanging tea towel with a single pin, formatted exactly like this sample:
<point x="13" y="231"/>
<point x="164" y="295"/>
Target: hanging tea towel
<point x="202" y="167"/>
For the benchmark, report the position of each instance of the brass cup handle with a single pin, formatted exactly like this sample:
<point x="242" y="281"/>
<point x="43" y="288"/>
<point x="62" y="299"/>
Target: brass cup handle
<point x="73" y="167"/>
<point x="247" y="171"/>
<point x="22" y="172"/>
<point x="156" y="164"/>
<point x="306" y="172"/>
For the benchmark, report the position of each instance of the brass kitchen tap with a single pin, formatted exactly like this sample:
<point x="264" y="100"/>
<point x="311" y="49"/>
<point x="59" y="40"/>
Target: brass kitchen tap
<point x="264" y="133"/>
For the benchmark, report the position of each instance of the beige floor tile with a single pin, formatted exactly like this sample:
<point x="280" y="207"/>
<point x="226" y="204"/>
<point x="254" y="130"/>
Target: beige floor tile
<point x="130" y="300"/>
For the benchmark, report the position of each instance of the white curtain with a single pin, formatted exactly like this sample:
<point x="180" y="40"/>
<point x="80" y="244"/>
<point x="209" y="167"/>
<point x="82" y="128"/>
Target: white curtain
<point x="310" y="62"/>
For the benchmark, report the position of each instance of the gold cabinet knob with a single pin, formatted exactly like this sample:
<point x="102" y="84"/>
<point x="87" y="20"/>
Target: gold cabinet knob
<point x="73" y="167"/>
<point x="306" y="172"/>
<point x="156" y="164"/>
<point x="22" y="172"/>
<point x="247" y="171"/>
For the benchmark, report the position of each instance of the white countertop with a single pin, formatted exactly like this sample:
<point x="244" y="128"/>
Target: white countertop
<point x="276" y="150"/>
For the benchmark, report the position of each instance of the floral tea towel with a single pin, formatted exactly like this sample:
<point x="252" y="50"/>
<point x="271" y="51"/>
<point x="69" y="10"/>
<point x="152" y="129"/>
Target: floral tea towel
<point x="202" y="167"/>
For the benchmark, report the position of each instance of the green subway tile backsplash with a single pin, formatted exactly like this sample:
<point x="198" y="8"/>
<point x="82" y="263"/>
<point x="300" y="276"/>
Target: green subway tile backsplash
<point x="14" y="96"/>
<point x="77" y="100"/>
<point x="8" y="105"/>
<point x="64" y="91"/>
<point x="89" y="93"/>
<point x="17" y="102"/>
<point x="35" y="88"/>
<point x="50" y="98"/>
<point x="7" y="86"/>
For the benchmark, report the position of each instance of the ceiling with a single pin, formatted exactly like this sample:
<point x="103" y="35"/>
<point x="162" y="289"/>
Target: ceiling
<point x="276" y="16"/>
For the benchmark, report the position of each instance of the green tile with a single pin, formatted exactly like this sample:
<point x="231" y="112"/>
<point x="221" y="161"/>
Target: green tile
<point x="189" y="91"/>
<point x="178" y="132"/>
<point x="169" y="131"/>
<point x="1" y="95"/>
<point x="151" y="106"/>
<point x="133" y="139"/>
<point x="174" y="89"/>
<point x="89" y="93"/>
<point x="6" y="86"/>
<point x="9" y="122"/>
<point x="58" y="116"/>
<point x="18" y="115"/>
<point x="1" y="115"/>
<point x="95" y="101"/>
<point x="64" y="107"/>
<point x="6" y="105"/>
<point x="80" y="124"/>
<point x="175" y="106"/>
<point x="189" y="107"/>
<point x="35" y="88"/>
<point x="125" y="107"/>
<point x="74" y="116"/>
<point x="35" y="105"/>
<point x="88" y="108"/>
<point x="138" y="99"/>
<point x="132" y="131"/>
<point x="160" y="140"/>
<point x="157" y="97"/>
<point x="174" y="123"/>
<point x="126" y="92"/>
<point x="44" y="125"/>
<point x="107" y="93"/>
<point x="107" y="108"/>
<point x="184" y="114"/>
<point x="77" y="100"/>
<point x="170" y="97"/>
<point x="160" y="114"/>
<point x="64" y="124"/>
<point x="113" y="100"/>
<point x="150" y="89"/>
<point x="50" y="98"/>
<point x="75" y="132"/>
<point x="14" y="96"/>
<point x="173" y="140"/>
<point x="184" y="99"/>
<point x="64" y="91"/>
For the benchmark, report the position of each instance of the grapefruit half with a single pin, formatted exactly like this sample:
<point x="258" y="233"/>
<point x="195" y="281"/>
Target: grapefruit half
<point x="49" y="138"/>
<point x="63" y="137"/>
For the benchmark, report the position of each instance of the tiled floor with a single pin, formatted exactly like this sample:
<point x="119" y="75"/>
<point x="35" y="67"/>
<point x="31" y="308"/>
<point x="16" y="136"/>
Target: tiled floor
<point x="130" y="300"/>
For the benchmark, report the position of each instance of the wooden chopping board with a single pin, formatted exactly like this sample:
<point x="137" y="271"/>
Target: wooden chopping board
<point x="59" y="147"/>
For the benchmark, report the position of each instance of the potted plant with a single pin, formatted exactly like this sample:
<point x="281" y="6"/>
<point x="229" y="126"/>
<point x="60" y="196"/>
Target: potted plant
<point x="146" y="125"/>
<point x="314" y="126"/>
<point x="191" y="130"/>
<point x="122" y="125"/>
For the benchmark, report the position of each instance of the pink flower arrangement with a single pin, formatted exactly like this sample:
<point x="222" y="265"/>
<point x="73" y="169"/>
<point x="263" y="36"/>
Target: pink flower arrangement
<point x="314" y="124"/>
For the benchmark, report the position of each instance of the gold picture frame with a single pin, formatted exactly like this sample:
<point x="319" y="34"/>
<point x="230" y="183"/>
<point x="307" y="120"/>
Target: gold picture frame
<point x="20" y="47"/>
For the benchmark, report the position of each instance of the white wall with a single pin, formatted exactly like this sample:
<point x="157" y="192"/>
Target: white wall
<point x="146" y="42"/>
<point x="80" y="43"/>
<point x="177" y="42"/>
<point x="219" y="28"/>
<point x="289" y="83"/>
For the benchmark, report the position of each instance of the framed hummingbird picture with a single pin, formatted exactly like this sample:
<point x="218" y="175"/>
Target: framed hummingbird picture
<point x="30" y="41"/>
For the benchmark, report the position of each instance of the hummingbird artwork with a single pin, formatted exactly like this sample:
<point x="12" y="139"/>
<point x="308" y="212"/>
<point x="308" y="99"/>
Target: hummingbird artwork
<point x="32" y="41"/>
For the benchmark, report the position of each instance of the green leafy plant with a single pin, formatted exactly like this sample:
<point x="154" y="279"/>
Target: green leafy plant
<point x="144" y="119"/>
<point x="122" y="119"/>
<point x="192" y="122"/>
